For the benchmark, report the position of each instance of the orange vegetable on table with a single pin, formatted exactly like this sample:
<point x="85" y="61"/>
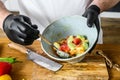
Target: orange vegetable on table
<point x="5" y="77"/>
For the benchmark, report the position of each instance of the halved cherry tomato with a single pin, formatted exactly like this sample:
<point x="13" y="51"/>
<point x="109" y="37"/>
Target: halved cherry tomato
<point x="64" y="47"/>
<point x="77" y="41"/>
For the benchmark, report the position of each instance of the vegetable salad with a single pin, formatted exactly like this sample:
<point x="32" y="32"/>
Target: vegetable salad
<point x="73" y="45"/>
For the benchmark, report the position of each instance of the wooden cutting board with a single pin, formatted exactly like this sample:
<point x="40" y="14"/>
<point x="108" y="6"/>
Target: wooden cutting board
<point x="93" y="67"/>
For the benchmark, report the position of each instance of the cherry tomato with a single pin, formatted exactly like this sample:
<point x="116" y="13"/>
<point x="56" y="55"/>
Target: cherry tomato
<point x="64" y="47"/>
<point x="77" y="41"/>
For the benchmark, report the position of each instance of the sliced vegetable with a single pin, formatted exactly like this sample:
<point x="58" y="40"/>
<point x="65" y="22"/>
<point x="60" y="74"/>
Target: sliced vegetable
<point x="5" y="68"/>
<point x="85" y="45"/>
<point x="5" y="77"/>
<point x="62" y="54"/>
<point x="71" y="46"/>
<point x="80" y="49"/>
<point x="70" y="42"/>
<point x="56" y="45"/>
<point x="70" y="39"/>
<point x="81" y="37"/>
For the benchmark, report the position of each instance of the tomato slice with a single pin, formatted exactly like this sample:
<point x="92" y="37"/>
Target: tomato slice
<point x="77" y="41"/>
<point x="64" y="47"/>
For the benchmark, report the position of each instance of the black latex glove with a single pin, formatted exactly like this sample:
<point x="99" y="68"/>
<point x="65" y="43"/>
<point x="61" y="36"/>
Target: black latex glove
<point x="19" y="29"/>
<point x="91" y="14"/>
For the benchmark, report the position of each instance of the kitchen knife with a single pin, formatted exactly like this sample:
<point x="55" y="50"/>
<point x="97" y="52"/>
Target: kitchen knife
<point x="37" y="58"/>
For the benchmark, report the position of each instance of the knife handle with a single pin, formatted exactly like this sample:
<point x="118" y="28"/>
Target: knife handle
<point x="18" y="47"/>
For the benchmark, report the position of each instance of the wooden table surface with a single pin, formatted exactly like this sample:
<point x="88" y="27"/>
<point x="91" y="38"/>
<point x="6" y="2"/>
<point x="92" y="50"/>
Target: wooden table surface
<point x="111" y="50"/>
<point x="111" y="30"/>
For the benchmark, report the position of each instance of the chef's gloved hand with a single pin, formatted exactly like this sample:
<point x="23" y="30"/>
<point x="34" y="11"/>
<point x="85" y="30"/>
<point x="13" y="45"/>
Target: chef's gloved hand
<point x="91" y="14"/>
<point x="19" y="29"/>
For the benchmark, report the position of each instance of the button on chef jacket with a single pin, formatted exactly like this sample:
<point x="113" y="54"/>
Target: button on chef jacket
<point x="44" y="12"/>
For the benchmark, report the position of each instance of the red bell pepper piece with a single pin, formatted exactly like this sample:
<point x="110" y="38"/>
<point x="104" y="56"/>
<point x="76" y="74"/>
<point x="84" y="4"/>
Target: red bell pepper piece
<point x="5" y="68"/>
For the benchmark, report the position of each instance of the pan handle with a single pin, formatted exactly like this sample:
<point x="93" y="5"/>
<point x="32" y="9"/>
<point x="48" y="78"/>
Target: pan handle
<point x="17" y="47"/>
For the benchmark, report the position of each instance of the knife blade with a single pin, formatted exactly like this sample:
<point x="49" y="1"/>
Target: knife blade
<point x="37" y="58"/>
